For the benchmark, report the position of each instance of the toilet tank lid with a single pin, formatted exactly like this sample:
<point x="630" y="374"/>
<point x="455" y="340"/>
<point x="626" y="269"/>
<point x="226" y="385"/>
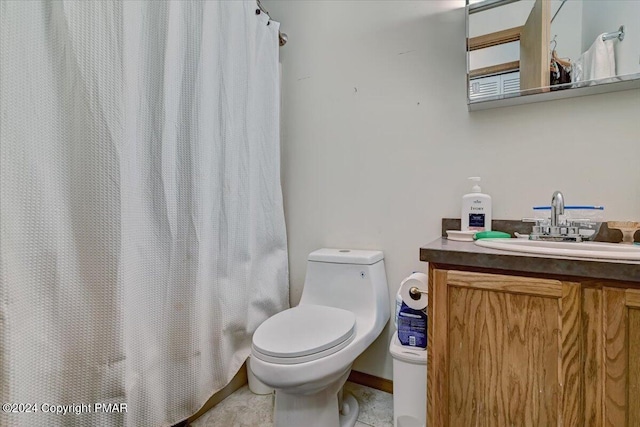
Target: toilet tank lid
<point x="346" y="256"/>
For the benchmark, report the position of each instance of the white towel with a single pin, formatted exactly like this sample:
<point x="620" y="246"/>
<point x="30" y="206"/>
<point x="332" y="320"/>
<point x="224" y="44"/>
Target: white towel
<point x="597" y="63"/>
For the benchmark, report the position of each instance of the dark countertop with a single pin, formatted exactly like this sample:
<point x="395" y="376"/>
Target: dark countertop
<point x="467" y="254"/>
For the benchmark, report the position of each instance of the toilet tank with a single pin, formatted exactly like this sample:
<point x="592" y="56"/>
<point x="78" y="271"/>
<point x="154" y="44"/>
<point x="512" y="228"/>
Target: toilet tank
<point x="350" y="279"/>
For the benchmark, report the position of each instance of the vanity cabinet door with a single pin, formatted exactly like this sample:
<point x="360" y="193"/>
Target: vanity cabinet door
<point x="621" y="321"/>
<point x="503" y="351"/>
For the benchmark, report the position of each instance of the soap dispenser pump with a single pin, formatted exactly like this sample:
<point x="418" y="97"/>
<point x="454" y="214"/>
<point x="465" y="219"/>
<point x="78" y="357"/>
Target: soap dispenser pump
<point x="476" y="209"/>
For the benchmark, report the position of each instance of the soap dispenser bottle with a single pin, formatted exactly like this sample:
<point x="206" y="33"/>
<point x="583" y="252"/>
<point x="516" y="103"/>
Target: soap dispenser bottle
<point x="476" y="209"/>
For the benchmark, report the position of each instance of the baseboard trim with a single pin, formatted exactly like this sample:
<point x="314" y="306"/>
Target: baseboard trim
<point x="372" y="381"/>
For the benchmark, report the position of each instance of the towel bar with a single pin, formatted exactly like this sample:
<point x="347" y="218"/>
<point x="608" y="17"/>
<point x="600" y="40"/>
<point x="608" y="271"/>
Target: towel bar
<point x="614" y="35"/>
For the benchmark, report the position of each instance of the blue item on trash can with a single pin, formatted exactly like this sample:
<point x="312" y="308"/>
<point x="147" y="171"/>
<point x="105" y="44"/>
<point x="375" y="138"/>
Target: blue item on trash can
<point x="412" y="327"/>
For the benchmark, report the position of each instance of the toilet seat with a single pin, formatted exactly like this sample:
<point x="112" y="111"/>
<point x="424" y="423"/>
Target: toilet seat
<point x="303" y="333"/>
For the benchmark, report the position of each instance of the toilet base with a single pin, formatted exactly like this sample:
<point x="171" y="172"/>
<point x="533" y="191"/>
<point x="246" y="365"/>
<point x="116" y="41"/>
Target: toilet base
<point x="350" y="410"/>
<point x="319" y="409"/>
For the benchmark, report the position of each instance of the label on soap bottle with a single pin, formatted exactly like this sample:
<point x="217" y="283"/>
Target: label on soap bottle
<point x="476" y="221"/>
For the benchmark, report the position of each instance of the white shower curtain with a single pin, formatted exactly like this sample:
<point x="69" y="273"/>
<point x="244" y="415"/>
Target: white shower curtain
<point x="142" y="229"/>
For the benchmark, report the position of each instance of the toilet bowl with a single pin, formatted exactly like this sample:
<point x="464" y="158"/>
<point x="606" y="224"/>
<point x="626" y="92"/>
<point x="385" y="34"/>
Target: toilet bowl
<point x="305" y="353"/>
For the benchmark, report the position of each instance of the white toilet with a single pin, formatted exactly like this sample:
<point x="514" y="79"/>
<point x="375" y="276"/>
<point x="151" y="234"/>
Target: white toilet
<point x="305" y="353"/>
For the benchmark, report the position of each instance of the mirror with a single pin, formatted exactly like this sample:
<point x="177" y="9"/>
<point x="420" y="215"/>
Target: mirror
<point x="521" y="51"/>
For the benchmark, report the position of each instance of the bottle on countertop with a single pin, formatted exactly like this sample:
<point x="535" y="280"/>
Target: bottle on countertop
<point x="476" y="209"/>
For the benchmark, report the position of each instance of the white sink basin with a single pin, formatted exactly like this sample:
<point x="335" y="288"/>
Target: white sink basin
<point x="571" y="249"/>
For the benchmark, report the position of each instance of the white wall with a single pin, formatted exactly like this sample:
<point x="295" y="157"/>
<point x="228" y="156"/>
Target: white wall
<point x="378" y="142"/>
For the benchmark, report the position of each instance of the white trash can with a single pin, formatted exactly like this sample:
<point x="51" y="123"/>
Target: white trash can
<point x="409" y="384"/>
<point x="255" y="385"/>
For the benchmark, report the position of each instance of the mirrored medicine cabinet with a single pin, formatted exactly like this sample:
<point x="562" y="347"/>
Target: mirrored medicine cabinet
<point x="522" y="51"/>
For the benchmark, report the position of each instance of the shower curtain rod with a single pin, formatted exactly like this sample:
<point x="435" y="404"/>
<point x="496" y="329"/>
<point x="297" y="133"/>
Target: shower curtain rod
<point x="558" y="11"/>
<point x="282" y="37"/>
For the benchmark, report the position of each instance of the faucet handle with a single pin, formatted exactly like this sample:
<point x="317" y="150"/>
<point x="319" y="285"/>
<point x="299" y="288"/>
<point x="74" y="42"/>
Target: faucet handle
<point x="535" y="220"/>
<point x="580" y="223"/>
<point x="582" y="220"/>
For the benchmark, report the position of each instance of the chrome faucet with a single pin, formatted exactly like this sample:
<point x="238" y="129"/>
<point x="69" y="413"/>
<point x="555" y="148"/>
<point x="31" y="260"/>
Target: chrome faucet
<point x="557" y="208"/>
<point x="556" y="228"/>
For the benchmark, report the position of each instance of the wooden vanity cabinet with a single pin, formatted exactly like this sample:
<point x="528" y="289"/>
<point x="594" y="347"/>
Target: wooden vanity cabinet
<point x="616" y="351"/>
<point x="511" y="350"/>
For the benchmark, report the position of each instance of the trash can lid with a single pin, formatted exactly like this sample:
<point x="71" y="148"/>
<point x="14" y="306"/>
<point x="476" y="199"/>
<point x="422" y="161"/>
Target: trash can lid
<point x="415" y="355"/>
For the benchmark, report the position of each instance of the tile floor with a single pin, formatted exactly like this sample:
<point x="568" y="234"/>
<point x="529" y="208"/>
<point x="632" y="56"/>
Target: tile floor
<point x="245" y="409"/>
